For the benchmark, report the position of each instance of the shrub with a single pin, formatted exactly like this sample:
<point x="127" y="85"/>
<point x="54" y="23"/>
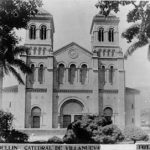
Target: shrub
<point x="135" y="134"/>
<point x="15" y="136"/>
<point x="55" y="139"/>
<point x="92" y="129"/>
<point x="108" y="134"/>
<point x="7" y="133"/>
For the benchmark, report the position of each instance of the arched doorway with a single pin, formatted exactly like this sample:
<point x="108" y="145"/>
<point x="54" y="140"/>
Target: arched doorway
<point x="108" y="112"/>
<point x="70" y="111"/>
<point x="35" y="114"/>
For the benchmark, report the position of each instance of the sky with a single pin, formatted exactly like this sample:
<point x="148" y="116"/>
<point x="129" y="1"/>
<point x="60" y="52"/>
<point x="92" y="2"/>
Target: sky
<point x="72" y="20"/>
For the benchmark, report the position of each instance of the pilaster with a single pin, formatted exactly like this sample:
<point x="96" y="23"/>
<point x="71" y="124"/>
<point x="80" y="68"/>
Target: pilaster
<point x="49" y="81"/>
<point x="95" y="99"/>
<point x="121" y="93"/>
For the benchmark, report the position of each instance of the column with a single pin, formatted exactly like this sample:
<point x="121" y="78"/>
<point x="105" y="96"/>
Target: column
<point x="36" y="75"/>
<point x="107" y="76"/>
<point x="78" y="72"/>
<point x="66" y="74"/>
<point x="105" y="36"/>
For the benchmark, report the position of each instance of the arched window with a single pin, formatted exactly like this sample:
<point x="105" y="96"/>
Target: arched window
<point x="35" y="50"/>
<point x="101" y="35"/>
<point x="108" y="53"/>
<point x="32" y="75"/>
<point x="111" y="74"/>
<point x="43" y="32"/>
<point x="113" y="51"/>
<point x="41" y="74"/>
<point x="111" y="35"/>
<point x="102" y="75"/>
<point x="104" y="51"/>
<point x="61" y="71"/>
<point x="44" y="49"/>
<point x="35" y="114"/>
<point x="83" y="74"/>
<point x="72" y="73"/>
<point x="32" y="32"/>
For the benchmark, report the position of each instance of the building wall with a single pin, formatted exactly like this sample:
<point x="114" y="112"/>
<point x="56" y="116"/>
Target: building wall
<point x="130" y="109"/>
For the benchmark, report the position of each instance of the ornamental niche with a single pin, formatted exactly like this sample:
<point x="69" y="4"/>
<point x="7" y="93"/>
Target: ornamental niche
<point x="73" y="53"/>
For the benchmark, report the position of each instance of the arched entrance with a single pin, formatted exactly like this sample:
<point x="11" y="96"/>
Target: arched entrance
<point x="108" y="112"/>
<point x="35" y="114"/>
<point x="70" y="111"/>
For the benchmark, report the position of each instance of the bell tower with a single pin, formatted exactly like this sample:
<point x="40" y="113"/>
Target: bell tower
<point x="110" y="67"/>
<point x="39" y="84"/>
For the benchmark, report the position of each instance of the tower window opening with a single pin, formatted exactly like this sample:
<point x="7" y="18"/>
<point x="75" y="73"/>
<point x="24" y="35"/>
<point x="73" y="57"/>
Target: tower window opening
<point x="108" y="53"/>
<point x="111" y="35"/>
<point x="111" y="74"/>
<point x="41" y="74"/>
<point x="102" y="75"/>
<point x="32" y="32"/>
<point x="32" y="76"/>
<point x="43" y="32"/>
<point x="101" y="35"/>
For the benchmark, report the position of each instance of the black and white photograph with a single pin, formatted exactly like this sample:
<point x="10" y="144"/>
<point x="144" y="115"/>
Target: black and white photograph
<point x="74" y="75"/>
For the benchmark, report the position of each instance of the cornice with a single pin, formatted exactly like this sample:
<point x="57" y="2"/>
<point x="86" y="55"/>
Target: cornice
<point x="108" y="90"/>
<point x="38" y="90"/>
<point x="72" y="91"/>
<point x="11" y="89"/>
<point x="37" y="44"/>
<point x="35" y="57"/>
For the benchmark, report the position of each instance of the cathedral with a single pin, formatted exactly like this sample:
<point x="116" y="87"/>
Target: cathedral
<point x="72" y="81"/>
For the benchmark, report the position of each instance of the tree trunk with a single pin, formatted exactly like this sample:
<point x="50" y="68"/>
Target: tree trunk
<point x="1" y="86"/>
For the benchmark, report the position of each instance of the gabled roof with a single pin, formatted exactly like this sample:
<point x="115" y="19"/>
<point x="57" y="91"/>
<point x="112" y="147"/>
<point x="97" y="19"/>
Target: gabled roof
<point x="131" y="90"/>
<point x="13" y="88"/>
<point x="69" y="45"/>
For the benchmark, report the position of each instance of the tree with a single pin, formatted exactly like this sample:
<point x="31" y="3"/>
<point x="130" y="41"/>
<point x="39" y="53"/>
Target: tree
<point x="92" y="129"/>
<point x="7" y="133"/>
<point x="14" y="14"/>
<point x="134" y="134"/>
<point x="139" y="16"/>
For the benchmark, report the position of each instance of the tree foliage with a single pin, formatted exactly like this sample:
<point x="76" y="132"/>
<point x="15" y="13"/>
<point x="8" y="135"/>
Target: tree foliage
<point x="14" y="14"/>
<point x="92" y="129"/>
<point x="139" y="16"/>
<point x="7" y="133"/>
<point x="135" y="134"/>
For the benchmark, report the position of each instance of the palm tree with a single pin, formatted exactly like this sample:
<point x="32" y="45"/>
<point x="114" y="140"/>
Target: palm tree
<point x="10" y="61"/>
<point x="140" y="29"/>
<point x="14" y="14"/>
